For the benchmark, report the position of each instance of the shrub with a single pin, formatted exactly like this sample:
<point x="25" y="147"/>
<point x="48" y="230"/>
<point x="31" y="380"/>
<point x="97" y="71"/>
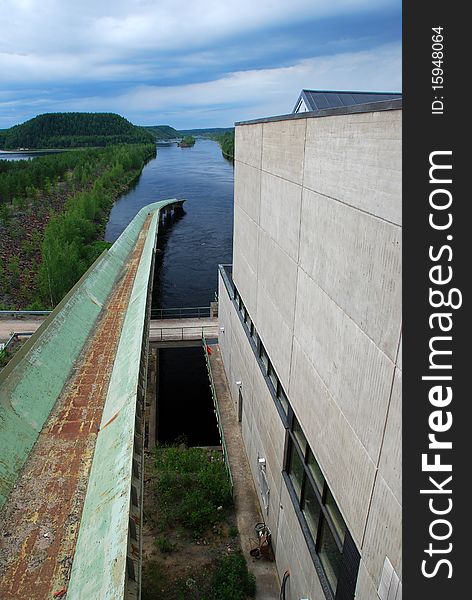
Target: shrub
<point x="165" y="545"/>
<point x="232" y="580"/>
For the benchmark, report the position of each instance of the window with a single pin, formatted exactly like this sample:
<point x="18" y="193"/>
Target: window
<point x="264" y="358"/>
<point x="272" y="376"/>
<point x="298" y="434"/>
<point x="315" y="472"/>
<point x="336" y="518"/>
<point x="311" y="508"/>
<point x="295" y="471"/>
<point x="253" y="333"/>
<point x="248" y="322"/>
<point x="330" y="555"/>
<point x="283" y="399"/>
<point x="325" y="531"/>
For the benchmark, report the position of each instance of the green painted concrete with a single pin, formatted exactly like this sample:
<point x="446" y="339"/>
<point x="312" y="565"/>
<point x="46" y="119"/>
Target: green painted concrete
<point x="30" y="386"/>
<point x="99" y="566"/>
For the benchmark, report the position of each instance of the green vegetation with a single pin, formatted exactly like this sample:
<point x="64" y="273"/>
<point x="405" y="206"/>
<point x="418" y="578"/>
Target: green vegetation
<point x="163" y="132"/>
<point x="209" y="132"/>
<point x="53" y="212"/>
<point x="3" y="135"/>
<point x="187" y="141"/>
<point x="226" y="141"/>
<point x="188" y="510"/>
<point x="231" y="579"/>
<point x="70" y="238"/>
<point x="22" y="179"/>
<point x="73" y="130"/>
<point x="165" y="545"/>
<point x="191" y="486"/>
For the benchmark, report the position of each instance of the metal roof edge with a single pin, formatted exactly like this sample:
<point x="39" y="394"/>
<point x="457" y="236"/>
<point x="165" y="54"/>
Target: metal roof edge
<point x="380" y="106"/>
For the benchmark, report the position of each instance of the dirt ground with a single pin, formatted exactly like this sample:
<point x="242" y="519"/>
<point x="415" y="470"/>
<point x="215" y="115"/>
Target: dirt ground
<point x="184" y="571"/>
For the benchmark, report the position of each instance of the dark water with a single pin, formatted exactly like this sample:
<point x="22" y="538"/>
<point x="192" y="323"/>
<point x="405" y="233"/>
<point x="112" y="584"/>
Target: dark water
<point x="185" y="406"/>
<point x="10" y="155"/>
<point x="192" y="247"/>
<point x="186" y="272"/>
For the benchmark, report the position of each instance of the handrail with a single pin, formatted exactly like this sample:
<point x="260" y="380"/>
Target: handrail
<point x="14" y="335"/>
<point x="198" y="333"/>
<point x="174" y="313"/>
<point x="217" y="412"/>
<point x="24" y="313"/>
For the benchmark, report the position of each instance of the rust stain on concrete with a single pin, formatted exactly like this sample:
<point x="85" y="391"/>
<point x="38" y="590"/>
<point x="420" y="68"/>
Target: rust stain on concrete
<point x="40" y="522"/>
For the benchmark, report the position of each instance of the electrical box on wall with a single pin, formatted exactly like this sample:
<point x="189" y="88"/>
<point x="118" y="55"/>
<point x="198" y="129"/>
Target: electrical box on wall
<point x="263" y="483"/>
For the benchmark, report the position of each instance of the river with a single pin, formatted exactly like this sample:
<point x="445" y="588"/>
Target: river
<point x="192" y="246"/>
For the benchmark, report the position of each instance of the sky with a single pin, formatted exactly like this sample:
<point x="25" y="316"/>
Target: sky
<point x="191" y="63"/>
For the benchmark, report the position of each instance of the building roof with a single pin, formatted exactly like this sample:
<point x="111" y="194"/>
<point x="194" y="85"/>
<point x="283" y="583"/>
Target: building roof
<point x="316" y="100"/>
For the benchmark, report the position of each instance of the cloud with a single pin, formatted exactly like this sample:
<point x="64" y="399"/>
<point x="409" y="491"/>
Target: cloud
<point x="153" y="60"/>
<point x="252" y="93"/>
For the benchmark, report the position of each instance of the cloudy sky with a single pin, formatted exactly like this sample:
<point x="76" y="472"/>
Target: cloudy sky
<point x="191" y="63"/>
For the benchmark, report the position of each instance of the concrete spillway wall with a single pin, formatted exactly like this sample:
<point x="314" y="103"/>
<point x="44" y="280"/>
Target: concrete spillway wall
<point x="107" y="558"/>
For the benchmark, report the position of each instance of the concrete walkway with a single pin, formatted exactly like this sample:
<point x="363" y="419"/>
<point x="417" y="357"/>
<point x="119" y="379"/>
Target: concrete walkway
<point x="160" y="329"/>
<point x="9" y="326"/>
<point x="248" y="511"/>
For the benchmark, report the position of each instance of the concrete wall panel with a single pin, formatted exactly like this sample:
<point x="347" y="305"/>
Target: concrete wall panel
<point x="356" y="259"/>
<point x="248" y="144"/>
<point x="391" y="456"/>
<point x="343" y="459"/>
<point x="356" y="373"/>
<point x="277" y="272"/>
<point x="356" y="159"/>
<point x="383" y="535"/>
<point x="280" y="212"/>
<point x="283" y="149"/>
<point x="365" y="589"/>
<point x="245" y="255"/>
<point x="293" y="555"/>
<point x="247" y="189"/>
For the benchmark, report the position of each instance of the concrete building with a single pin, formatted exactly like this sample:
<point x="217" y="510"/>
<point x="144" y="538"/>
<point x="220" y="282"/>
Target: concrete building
<point x="310" y="334"/>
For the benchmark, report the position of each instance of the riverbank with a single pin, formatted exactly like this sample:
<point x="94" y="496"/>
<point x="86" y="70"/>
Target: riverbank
<point x="51" y="237"/>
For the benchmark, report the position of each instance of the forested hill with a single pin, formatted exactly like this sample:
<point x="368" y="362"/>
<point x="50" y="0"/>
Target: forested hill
<point x="163" y="132"/>
<point x="73" y="130"/>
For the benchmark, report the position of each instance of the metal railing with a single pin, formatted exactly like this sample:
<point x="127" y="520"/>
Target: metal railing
<point x="24" y="313"/>
<point x="182" y="334"/>
<point x="15" y="335"/>
<point x="217" y="412"/>
<point x="181" y="313"/>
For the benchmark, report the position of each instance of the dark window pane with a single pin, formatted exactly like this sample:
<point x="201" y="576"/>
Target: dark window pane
<point x="298" y="433"/>
<point x="264" y="358"/>
<point x="311" y="509"/>
<point x="283" y="399"/>
<point x="330" y="555"/>
<point x="272" y="376"/>
<point x="315" y="471"/>
<point x="295" y="470"/>
<point x="335" y="515"/>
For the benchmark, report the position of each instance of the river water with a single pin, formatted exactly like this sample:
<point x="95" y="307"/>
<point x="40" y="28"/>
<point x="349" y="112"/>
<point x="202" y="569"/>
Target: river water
<point x="192" y="246"/>
<point x="186" y="271"/>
